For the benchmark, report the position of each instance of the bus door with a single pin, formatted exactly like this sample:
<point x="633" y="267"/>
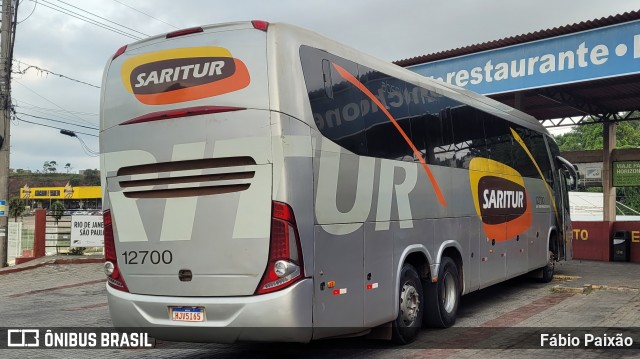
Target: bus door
<point x="567" y="179"/>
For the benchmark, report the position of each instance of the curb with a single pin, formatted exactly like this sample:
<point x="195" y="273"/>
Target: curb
<point x="52" y="261"/>
<point x="588" y="288"/>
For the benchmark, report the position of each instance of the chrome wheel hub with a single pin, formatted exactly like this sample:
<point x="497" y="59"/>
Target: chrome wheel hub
<point x="449" y="292"/>
<point x="409" y="303"/>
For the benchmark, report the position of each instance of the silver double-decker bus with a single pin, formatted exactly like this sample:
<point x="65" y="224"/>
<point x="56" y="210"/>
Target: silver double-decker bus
<point x="264" y="183"/>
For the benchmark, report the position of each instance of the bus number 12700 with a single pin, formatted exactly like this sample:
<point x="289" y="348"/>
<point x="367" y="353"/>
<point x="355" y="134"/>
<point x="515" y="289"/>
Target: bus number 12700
<point x="142" y="257"/>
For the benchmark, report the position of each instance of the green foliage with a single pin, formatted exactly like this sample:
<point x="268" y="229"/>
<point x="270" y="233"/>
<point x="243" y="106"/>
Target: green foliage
<point x="589" y="137"/>
<point x="50" y="167"/>
<point x="56" y="210"/>
<point x="92" y="177"/>
<point x="586" y="137"/>
<point x="16" y="208"/>
<point x="630" y="197"/>
<point x="628" y="134"/>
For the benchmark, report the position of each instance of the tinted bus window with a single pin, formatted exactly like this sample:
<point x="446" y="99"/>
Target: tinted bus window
<point x="523" y="162"/>
<point x="431" y="130"/>
<point x="539" y="150"/>
<point x="553" y="148"/>
<point x="383" y="138"/>
<point x="338" y="118"/>
<point x="468" y="135"/>
<point x="419" y="134"/>
<point x="500" y="142"/>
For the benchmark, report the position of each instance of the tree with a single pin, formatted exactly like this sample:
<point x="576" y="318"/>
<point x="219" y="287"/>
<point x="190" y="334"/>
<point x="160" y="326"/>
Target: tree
<point x="589" y="137"/>
<point x="56" y="210"/>
<point x="49" y="167"/>
<point x="630" y="197"/>
<point x="68" y="167"/>
<point x="16" y="208"/>
<point x="91" y="177"/>
<point x="53" y="166"/>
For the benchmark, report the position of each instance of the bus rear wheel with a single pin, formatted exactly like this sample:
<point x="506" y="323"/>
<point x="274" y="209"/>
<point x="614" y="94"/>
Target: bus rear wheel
<point x="411" y="301"/>
<point x="549" y="269"/>
<point x="442" y="298"/>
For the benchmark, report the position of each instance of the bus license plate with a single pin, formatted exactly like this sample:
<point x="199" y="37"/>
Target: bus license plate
<point x="187" y="314"/>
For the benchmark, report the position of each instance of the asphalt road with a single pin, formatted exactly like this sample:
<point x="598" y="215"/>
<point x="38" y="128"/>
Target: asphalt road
<point x="510" y="316"/>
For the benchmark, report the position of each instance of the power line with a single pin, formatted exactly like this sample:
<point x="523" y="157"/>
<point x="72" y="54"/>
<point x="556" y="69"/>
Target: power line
<point x="32" y="11"/>
<point x="76" y="15"/>
<point x="48" y="114"/>
<point x="52" y="120"/>
<point x="51" y="102"/>
<point x="90" y="21"/>
<point x="94" y="23"/>
<point x="144" y="13"/>
<point x="57" y="128"/>
<point x="86" y="148"/>
<point x="48" y="110"/>
<point x="29" y="66"/>
<point x="51" y="115"/>
<point x="100" y="17"/>
<point x="32" y="105"/>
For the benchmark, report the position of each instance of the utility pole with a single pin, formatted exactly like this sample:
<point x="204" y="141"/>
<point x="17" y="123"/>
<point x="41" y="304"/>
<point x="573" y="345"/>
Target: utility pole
<point x="6" y="52"/>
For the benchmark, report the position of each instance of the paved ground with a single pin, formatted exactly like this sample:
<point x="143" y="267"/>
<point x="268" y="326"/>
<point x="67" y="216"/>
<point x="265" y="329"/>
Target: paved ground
<point x="74" y="295"/>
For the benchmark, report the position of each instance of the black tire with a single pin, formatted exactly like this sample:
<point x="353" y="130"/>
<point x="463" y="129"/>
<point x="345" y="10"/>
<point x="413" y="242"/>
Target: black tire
<point x="549" y="269"/>
<point x="410" y="303"/>
<point x="443" y="297"/>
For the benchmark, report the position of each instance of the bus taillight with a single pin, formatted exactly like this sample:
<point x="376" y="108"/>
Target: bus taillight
<point x="260" y="25"/>
<point x="284" y="266"/>
<point x="183" y="32"/>
<point x="114" y="277"/>
<point x="119" y="52"/>
<point x="181" y="112"/>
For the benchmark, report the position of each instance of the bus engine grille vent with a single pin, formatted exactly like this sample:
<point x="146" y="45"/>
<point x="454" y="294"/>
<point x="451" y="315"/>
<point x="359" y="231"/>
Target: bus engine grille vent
<point x="138" y="185"/>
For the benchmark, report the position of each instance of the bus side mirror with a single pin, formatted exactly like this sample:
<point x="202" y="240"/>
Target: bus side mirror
<point x="571" y="169"/>
<point x="572" y="183"/>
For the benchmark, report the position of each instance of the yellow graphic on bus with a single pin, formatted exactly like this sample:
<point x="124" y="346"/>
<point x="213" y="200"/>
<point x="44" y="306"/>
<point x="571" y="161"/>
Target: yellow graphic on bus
<point x="500" y="198"/>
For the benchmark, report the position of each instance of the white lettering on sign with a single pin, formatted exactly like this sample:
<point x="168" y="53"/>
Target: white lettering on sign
<point x="582" y="56"/>
<point x="605" y="52"/>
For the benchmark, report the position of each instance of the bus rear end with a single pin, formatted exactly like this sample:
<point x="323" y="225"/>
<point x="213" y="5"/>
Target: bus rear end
<point x="195" y="247"/>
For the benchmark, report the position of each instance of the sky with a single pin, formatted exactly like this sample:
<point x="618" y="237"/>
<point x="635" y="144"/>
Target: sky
<point x="74" y="48"/>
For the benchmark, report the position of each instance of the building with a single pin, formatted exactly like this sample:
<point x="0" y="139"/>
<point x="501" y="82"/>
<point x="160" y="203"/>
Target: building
<point x="80" y="197"/>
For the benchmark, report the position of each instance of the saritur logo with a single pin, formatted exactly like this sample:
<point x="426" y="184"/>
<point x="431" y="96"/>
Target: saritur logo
<point x="184" y="74"/>
<point x="500" y="198"/>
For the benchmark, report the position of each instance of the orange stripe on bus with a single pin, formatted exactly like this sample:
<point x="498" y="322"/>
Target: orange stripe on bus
<point x="347" y="76"/>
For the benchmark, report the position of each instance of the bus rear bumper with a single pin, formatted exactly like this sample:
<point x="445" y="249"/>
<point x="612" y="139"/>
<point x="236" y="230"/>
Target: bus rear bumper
<point x="285" y="315"/>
